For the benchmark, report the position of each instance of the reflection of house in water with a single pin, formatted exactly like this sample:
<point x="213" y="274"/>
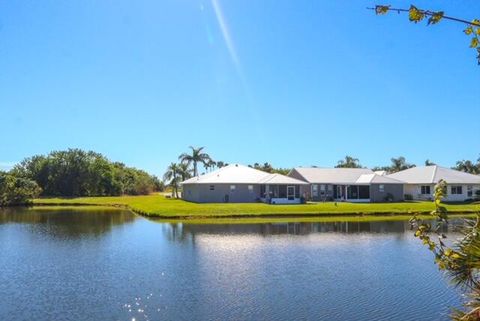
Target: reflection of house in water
<point x="180" y="231"/>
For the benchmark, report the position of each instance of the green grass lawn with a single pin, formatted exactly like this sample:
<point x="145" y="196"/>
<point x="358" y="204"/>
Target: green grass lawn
<point x="162" y="207"/>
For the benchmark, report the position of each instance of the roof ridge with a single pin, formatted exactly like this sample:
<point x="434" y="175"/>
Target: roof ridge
<point x="434" y="173"/>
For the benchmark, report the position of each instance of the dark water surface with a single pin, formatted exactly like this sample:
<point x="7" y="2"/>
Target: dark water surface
<point x="113" y="265"/>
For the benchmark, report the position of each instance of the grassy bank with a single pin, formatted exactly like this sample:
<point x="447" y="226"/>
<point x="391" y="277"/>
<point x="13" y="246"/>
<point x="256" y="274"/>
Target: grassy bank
<point x="161" y="207"/>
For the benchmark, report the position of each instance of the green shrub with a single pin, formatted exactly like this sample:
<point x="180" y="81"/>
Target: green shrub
<point x="17" y="191"/>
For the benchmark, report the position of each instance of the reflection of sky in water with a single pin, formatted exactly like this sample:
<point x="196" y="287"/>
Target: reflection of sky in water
<point x="114" y="265"/>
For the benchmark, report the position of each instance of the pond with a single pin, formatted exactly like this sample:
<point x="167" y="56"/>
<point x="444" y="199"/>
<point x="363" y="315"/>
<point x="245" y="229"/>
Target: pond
<point x="114" y="265"/>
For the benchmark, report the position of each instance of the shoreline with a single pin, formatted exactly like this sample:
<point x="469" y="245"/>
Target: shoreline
<point x="159" y="207"/>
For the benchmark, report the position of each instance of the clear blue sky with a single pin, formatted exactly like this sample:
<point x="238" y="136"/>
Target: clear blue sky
<point x="289" y="82"/>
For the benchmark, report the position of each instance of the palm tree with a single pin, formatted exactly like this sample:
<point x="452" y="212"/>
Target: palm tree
<point x="172" y="177"/>
<point x="466" y="166"/>
<point x="399" y="164"/>
<point x="196" y="156"/>
<point x="210" y="166"/>
<point x="349" y="162"/>
<point x="184" y="171"/>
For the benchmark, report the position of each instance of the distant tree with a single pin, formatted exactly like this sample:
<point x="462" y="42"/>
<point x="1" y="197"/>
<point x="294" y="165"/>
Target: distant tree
<point x="399" y="164"/>
<point x="267" y="167"/>
<point x="429" y="163"/>
<point x="221" y="164"/>
<point x="196" y="156"/>
<point x="172" y="177"/>
<point x="75" y="172"/>
<point x="348" y="162"/>
<point x="468" y="166"/>
<point x="17" y="191"/>
<point x="210" y="166"/>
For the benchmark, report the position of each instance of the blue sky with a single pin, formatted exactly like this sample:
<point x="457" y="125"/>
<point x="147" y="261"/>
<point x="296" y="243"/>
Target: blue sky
<point x="289" y="82"/>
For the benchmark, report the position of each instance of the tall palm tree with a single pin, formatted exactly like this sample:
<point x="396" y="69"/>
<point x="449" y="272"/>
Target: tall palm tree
<point x="197" y="156"/>
<point x="172" y="177"/>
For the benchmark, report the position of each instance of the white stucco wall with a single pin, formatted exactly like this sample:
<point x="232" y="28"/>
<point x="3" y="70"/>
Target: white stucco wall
<point x="415" y="191"/>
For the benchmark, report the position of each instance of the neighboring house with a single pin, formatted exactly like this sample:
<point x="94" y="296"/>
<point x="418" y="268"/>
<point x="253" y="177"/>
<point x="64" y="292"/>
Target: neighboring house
<point x="348" y="184"/>
<point x="420" y="183"/>
<point x="242" y="184"/>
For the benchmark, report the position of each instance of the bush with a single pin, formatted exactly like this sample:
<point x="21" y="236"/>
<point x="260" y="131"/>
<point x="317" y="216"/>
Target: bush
<point x="16" y="191"/>
<point x="389" y="197"/>
<point x="408" y="197"/>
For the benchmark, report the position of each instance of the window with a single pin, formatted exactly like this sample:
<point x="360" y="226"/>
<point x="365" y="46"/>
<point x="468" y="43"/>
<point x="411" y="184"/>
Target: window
<point x="352" y="192"/>
<point x="282" y="191"/>
<point x="425" y="190"/>
<point x="232" y="188"/>
<point x="250" y="188"/>
<point x="297" y="191"/>
<point x="212" y="187"/>
<point x="364" y="192"/>
<point x="381" y="188"/>
<point x="469" y="191"/>
<point x="456" y="190"/>
<point x="322" y="189"/>
<point x="314" y="190"/>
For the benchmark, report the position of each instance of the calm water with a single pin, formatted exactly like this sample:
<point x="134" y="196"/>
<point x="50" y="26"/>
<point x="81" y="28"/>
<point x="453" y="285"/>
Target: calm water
<point x="113" y="265"/>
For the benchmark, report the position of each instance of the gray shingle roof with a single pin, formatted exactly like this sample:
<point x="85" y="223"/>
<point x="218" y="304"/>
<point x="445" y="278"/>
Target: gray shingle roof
<point x="319" y="175"/>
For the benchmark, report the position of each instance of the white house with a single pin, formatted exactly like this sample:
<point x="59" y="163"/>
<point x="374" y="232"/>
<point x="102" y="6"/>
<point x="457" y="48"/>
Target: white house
<point x="420" y="183"/>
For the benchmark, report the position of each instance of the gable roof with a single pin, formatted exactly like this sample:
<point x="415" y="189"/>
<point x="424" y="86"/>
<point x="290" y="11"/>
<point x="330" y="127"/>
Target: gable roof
<point x="432" y="174"/>
<point x="319" y="175"/>
<point x="240" y="174"/>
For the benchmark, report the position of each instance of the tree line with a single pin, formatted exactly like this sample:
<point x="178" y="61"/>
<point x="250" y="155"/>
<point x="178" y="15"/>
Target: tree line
<point x="400" y="163"/>
<point x="73" y="173"/>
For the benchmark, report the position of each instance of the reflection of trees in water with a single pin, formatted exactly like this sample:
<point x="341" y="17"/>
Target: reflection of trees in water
<point x="182" y="233"/>
<point x="68" y="223"/>
<point x="175" y="232"/>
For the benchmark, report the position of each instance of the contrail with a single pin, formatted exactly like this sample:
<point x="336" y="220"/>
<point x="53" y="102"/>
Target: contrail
<point x="226" y="36"/>
<point x="238" y="67"/>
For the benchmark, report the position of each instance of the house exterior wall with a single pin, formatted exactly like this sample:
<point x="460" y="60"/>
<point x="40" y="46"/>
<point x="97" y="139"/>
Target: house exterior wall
<point x="395" y="190"/>
<point x="415" y="191"/>
<point x="201" y="193"/>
